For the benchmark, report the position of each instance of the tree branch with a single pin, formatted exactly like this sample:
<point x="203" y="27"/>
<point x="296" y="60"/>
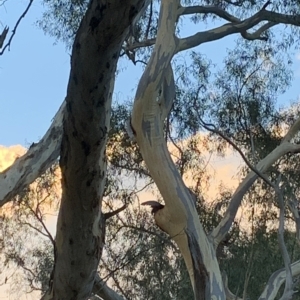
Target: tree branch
<point x="257" y="34"/>
<point x="276" y="280"/>
<point x="294" y="208"/>
<point x="40" y="220"/>
<point x="115" y="212"/>
<point x="288" y="289"/>
<point x="239" y="27"/>
<point x="212" y="128"/>
<point x="179" y="217"/>
<point x="15" y="29"/>
<point x="220" y="231"/>
<point x="36" y="161"/>
<point x="229" y="294"/>
<point x="102" y="290"/>
<point x="294" y="129"/>
<point x="3" y="36"/>
<point x="141" y="44"/>
<point x="285" y="147"/>
<point x="215" y="10"/>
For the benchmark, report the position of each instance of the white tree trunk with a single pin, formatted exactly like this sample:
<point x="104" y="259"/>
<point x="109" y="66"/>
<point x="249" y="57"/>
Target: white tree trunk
<point x="179" y="217"/>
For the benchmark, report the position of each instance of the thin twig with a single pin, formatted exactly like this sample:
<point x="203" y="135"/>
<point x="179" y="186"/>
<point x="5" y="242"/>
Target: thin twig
<point x="212" y="128"/>
<point x="288" y="289"/>
<point x="15" y="28"/>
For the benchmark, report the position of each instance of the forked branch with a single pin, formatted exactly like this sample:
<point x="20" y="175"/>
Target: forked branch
<point x="285" y="147"/>
<point x="241" y="27"/>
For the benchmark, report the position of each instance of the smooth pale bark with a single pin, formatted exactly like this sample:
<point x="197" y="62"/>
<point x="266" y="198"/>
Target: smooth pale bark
<point x="179" y="216"/>
<point x="235" y="25"/>
<point x="79" y="237"/>
<point x="223" y="227"/>
<point x="85" y="130"/>
<point x="152" y="103"/>
<point x="263" y="166"/>
<point x="34" y="162"/>
<point x="276" y="280"/>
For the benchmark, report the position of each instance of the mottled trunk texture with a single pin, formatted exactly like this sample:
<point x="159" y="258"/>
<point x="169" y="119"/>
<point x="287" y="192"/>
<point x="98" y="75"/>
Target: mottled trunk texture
<point x="179" y="217"/>
<point x="79" y="237"/>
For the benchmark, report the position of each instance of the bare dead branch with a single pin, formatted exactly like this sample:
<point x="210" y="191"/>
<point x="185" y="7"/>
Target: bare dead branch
<point x="15" y="28"/>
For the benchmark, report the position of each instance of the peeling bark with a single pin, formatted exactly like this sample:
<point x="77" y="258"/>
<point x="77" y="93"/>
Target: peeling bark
<point x="79" y="238"/>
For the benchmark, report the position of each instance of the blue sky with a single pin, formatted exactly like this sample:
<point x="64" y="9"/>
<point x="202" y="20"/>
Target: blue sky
<point x="34" y="76"/>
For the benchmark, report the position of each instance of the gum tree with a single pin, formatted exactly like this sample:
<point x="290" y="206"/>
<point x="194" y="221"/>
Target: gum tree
<point x="79" y="133"/>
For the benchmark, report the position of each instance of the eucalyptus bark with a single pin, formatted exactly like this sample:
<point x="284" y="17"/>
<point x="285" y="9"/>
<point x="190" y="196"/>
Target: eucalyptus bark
<point x="79" y="238"/>
<point x="153" y="101"/>
<point x="179" y="217"/>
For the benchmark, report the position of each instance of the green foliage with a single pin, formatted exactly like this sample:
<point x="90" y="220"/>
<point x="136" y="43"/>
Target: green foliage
<point x="61" y="18"/>
<point x="240" y="99"/>
<point x="253" y="258"/>
<point x="25" y="242"/>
